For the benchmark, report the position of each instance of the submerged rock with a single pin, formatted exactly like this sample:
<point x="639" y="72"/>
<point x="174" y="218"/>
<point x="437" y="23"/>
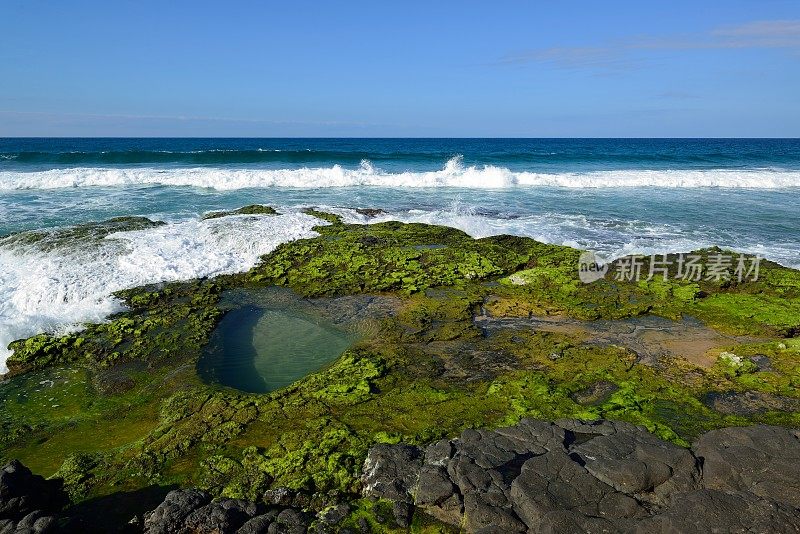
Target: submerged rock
<point x="253" y="209"/>
<point x="80" y="235"/>
<point x="597" y="393"/>
<point x="749" y="402"/>
<point x="370" y="212"/>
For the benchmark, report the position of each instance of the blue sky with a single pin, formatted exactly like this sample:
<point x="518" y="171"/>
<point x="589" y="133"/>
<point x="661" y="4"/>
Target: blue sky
<point x="502" y="68"/>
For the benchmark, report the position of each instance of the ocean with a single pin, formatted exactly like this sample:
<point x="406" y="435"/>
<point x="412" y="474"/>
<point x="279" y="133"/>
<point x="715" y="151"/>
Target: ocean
<point x="612" y="196"/>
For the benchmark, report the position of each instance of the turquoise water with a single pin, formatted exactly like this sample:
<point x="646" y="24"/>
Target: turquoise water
<point x="613" y="196"/>
<point x="259" y="350"/>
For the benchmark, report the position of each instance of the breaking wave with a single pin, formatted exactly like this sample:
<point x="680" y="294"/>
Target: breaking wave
<point x="55" y="289"/>
<point x="454" y="174"/>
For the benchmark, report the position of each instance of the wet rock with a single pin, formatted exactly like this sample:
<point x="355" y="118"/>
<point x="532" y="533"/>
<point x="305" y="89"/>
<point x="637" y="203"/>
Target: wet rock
<point x="464" y="362"/>
<point x="402" y="513"/>
<point x="253" y="209"/>
<point x="762" y="460"/>
<point x="749" y="402"/>
<point x="22" y="494"/>
<point x="169" y="516"/>
<point x="597" y="393"/>
<point x="36" y="522"/>
<point x="289" y="521"/>
<point x="567" y="476"/>
<point x="192" y="511"/>
<point x="370" y="212"/>
<point x="258" y="524"/>
<point x="762" y="362"/>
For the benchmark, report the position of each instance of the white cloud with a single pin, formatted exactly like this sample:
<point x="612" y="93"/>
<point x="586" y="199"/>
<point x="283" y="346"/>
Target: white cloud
<point x="621" y="55"/>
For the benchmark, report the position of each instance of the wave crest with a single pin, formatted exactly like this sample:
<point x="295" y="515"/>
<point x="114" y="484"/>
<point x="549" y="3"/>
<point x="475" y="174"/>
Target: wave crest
<point x="454" y="174"/>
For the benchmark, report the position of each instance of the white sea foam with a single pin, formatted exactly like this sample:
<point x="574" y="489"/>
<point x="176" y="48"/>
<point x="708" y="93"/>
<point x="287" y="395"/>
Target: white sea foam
<point x="610" y="238"/>
<point x="57" y="290"/>
<point x="454" y="174"/>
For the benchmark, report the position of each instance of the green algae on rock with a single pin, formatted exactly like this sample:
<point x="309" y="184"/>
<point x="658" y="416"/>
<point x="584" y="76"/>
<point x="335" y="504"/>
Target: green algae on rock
<point x="425" y="371"/>
<point x="162" y="320"/>
<point x="253" y="209"/>
<point x="84" y="234"/>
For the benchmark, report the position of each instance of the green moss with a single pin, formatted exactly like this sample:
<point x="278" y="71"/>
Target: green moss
<point x="384" y="257"/>
<point x="330" y="218"/>
<point x="750" y="314"/>
<point x="253" y="209"/>
<point x="77" y="474"/>
<point x="129" y="400"/>
<point x="150" y="331"/>
<point x="88" y="234"/>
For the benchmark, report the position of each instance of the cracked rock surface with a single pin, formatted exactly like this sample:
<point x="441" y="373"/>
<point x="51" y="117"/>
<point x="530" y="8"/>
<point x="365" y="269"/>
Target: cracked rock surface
<point x="599" y="476"/>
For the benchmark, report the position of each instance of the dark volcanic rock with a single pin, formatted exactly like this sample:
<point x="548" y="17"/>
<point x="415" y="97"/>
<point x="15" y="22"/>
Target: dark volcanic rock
<point x="169" y="516"/>
<point x="259" y="524"/>
<point x="566" y="476"/>
<point x="762" y="460"/>
<point x="710" y="510"/>
<point x="28" y="502"/>
<point x="598" y="476"/>
<point x="193" y="512"/>
<point x="225" y="515"/>
<point x="289" y="521"/>
<point x="554" y="486"/>
<point x="391" y="471"/>
<point x="637" y="463"/>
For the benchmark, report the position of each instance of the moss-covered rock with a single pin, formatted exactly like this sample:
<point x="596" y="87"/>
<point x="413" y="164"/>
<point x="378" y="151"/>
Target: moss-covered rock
<point x="70" y="236"/>
<point x="253" y="209"/>
<point x="128" y="404"/>
<point x="162" y="321"/>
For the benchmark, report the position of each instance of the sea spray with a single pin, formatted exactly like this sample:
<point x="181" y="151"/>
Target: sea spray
<point x="57" y="289"/>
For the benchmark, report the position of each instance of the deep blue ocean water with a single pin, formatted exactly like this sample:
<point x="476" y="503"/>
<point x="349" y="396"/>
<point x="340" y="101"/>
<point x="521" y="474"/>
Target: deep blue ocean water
<point x="614" y="196"/>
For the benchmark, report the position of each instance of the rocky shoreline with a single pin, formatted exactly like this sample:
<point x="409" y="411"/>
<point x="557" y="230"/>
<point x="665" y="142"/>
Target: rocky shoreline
<point x="562" y="477"/>
<point x="488" y="390"/>
<point x="598" y="476"/>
